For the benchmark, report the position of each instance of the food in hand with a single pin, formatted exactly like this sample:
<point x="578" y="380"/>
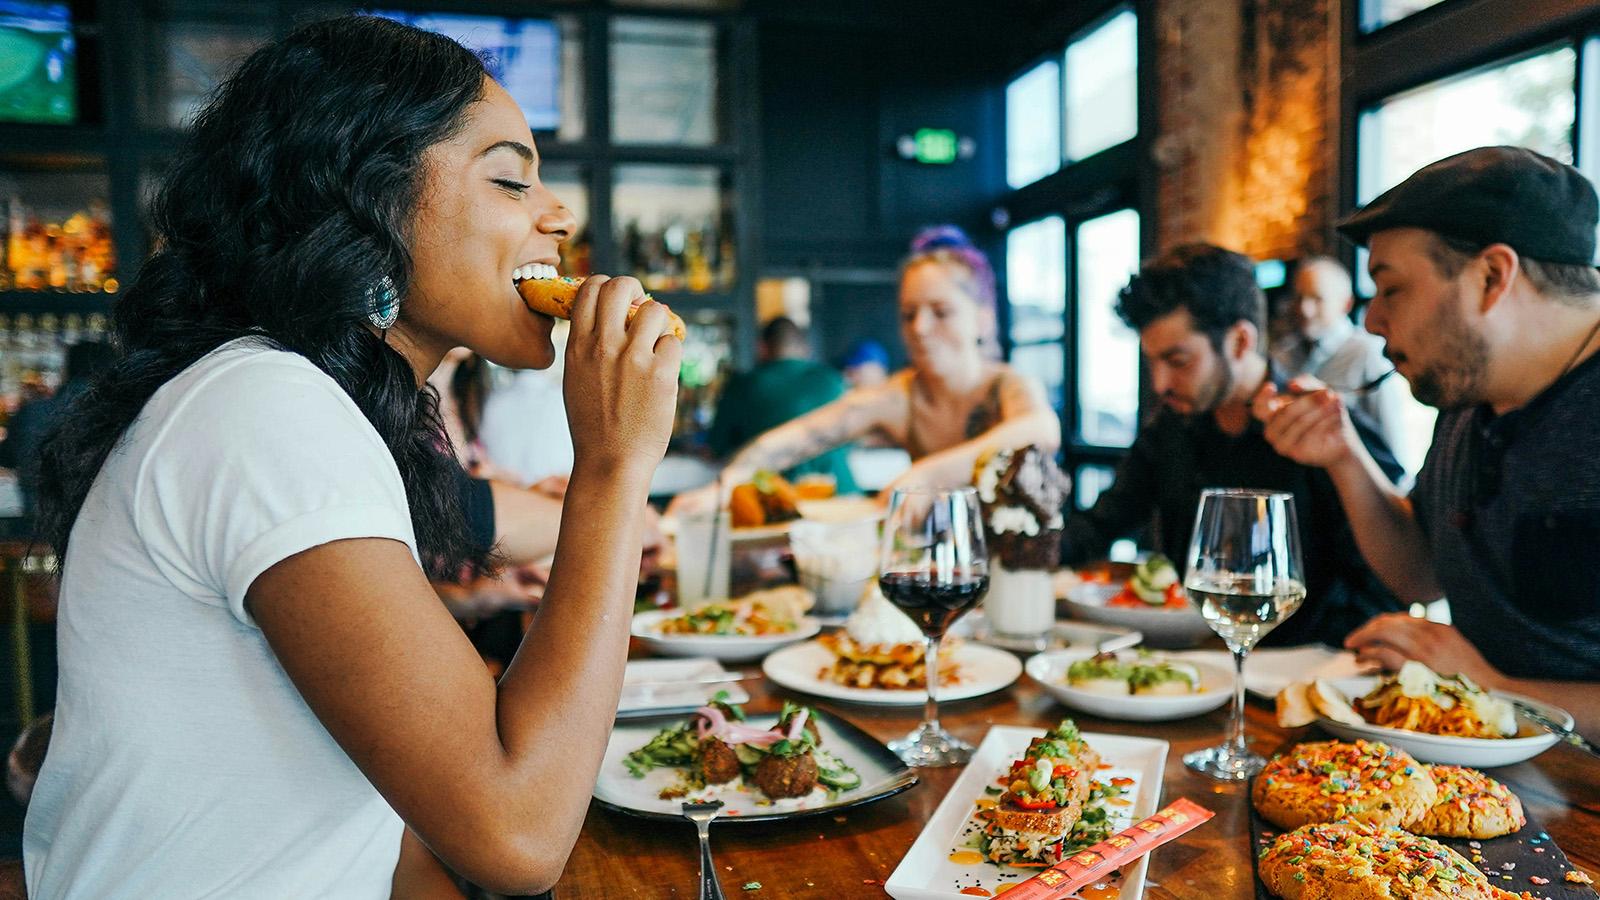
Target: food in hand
<point x="1470" y="805"/>
<point x="718" y="747"/>
<point x="880" y="647"/>
<point x="1141" y="674"/>
<point x="762" y="613"/>
<point x="1358" y="861"/>
<point x="1154" y="585"/>
<point x="766" y="499"/>
<point x="545" y="291"/>
<point x="1330" y="780"/>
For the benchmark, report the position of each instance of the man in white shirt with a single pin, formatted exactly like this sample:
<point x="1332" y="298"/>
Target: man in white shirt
<point x="1326" y="344"/>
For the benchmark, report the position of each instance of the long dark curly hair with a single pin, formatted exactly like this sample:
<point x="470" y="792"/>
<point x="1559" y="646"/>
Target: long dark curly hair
<point x="292" y="197"/>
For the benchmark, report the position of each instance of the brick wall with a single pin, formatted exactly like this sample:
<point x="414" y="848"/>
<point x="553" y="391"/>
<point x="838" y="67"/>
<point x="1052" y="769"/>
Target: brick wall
<point x="1248" y="123"/>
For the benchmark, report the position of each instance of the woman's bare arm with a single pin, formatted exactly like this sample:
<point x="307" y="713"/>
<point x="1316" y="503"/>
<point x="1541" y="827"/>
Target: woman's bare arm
<point x="824" y="428"/>
<point x="814" y="433"/>
<point x="494" y="778"/>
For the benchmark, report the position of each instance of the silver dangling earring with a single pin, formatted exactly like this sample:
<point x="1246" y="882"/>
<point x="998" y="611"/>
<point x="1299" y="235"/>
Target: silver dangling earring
<point x="384" y="303"/>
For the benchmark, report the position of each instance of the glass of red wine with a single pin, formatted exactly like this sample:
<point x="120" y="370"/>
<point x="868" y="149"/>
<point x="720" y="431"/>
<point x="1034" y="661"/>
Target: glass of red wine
<point x="935" y="569"/>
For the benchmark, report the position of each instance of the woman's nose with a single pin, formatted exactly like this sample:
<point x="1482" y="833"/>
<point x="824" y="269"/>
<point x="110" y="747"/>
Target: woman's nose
<point x="559" y="223"/>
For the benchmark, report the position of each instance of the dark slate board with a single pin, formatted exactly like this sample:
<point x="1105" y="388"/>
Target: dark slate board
<point x="1520" y="849"/>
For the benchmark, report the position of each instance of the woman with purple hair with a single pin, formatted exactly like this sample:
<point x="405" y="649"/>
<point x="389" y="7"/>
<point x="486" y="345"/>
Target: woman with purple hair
<point x="952" y="404"/>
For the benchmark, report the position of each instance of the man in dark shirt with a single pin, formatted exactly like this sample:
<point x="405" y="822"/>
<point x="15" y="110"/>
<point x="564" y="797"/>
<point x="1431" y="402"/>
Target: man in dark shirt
<point x="1490" y="304"/>
<point x="786" y="385"/>
<point x="1200" y="318"/>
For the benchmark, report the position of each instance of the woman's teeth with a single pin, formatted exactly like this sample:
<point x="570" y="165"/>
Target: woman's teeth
<point x="532" y="271"/>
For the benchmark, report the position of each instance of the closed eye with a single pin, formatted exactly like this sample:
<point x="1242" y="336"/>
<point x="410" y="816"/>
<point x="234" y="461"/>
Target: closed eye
<point x="515" y="187"/>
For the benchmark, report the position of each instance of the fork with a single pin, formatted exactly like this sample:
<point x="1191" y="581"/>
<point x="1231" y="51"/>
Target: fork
<point x="701" y="815"/>
<point x="1556" y="728"/>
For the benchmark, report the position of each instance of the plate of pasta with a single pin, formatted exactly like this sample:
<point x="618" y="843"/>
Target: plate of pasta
<point x="1436" y="718"/>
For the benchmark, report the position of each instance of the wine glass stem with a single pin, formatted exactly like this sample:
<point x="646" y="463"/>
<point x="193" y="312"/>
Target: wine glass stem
<point x="1236" y="745"/>
<point x="930" y="659"/>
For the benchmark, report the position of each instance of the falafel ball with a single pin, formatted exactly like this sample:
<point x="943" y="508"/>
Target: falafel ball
<point x="786" y="776"/>
<point x="718" y="763"/>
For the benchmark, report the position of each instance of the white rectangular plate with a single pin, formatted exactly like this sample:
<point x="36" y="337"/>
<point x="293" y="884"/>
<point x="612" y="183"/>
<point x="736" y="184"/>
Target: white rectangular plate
<point x="647" y="689"/>
<point x="926" y="872"/>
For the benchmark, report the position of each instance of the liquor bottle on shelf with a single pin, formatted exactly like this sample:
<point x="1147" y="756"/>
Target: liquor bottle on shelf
<point x="33" y="353"/>
<point x="74" y="255"/>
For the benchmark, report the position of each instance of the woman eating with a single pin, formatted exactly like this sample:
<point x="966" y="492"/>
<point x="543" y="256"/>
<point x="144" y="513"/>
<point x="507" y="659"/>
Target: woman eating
<point x="260" y="695"/>
<point x="954" y="403"/>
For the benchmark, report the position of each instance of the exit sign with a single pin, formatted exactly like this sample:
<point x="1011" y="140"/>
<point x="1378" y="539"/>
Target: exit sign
<point x="935" y="146"/>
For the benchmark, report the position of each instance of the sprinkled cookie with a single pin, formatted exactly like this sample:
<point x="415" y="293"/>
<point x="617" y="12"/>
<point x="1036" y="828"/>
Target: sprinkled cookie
<point x="1470" y="805"/>
<point x="1331" y="780"/>
<point x="1352" y="861"/>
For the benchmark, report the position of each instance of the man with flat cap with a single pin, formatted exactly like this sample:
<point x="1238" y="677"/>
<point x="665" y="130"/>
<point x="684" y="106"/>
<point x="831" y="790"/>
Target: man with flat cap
<point x="1490" y="303"/>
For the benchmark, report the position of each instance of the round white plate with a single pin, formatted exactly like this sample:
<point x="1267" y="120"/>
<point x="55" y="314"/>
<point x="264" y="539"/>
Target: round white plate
<point x="1066" y="633"/>
<point x="717" y="646"/>
<point x="1452" y="751"/>
<point x="1050" y="670"/>
<point x="1161" y="626"/>
<point x="984" y="670"/>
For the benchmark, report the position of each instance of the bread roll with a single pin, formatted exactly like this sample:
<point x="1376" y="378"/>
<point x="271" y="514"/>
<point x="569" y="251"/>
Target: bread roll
<point x="554" y="297"/>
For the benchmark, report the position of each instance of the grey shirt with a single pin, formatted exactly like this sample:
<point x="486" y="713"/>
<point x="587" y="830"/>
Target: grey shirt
<point x="1510" y="506"/>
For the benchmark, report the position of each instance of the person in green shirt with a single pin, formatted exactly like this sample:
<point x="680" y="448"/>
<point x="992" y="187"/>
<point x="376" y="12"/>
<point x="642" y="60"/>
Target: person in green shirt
<point x="785" y="385"/>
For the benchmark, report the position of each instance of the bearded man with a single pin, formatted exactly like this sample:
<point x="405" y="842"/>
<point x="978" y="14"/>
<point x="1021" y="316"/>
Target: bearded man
<point x="1200" y="318"/>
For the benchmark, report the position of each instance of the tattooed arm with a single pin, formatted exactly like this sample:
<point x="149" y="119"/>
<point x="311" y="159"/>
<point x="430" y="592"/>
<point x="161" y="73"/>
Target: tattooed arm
<point x="1025" y="418"/>
<point x="815" y="433"/>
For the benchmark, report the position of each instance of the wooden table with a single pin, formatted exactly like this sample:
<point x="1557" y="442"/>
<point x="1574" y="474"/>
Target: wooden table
<point x="851" y="854"/>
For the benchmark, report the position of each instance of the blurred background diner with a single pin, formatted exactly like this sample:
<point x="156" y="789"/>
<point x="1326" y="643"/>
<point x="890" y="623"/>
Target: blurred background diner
<point x="904" y="236"/>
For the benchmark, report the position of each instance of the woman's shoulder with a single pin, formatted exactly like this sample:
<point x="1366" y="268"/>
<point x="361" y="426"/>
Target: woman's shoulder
<point x="254" y="380"/>
<point x="1007" y="378"/>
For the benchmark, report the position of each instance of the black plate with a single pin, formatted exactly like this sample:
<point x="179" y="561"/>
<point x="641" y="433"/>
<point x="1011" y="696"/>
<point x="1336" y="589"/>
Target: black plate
<point x="1516" y="849"/>
<point x="882" y="773"/>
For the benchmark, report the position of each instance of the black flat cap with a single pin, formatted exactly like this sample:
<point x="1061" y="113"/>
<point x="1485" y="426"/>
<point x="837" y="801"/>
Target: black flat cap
<point x="1541" y="208"/>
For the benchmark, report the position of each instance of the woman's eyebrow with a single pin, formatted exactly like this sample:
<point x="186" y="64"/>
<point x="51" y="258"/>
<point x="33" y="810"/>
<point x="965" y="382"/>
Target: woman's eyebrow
<point x="517" y="147"/>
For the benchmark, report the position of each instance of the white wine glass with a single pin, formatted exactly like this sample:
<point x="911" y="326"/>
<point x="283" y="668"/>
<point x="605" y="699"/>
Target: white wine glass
<point x="1245" y="576"/>
<point x="935" y="568"/>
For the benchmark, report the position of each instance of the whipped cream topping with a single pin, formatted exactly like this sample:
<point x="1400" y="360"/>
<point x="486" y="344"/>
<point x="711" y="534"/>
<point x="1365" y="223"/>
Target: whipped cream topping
<point x="878" y="622"/>
<point x="1013" y="518"/>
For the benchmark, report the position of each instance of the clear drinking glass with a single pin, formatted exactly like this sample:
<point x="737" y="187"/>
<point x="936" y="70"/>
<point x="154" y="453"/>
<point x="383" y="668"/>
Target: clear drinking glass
<point x="935" y="568"/>
<point x="1245" y="576"/>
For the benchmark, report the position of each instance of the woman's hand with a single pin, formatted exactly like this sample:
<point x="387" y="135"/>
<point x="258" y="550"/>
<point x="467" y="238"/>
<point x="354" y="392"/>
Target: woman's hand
<point x="621" y="379"/>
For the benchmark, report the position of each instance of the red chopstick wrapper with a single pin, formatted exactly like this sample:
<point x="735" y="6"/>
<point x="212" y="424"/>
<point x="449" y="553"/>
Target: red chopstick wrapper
<point x="1088" y="866"/>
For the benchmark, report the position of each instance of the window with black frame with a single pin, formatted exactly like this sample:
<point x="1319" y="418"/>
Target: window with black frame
<point x="1528" y="101"/>
<point x="1066" y="262"/>
<point x="1036" y="279"/>
<point x="1376" y="14"/>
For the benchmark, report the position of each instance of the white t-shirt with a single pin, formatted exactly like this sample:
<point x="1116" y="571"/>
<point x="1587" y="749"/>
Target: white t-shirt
<point x="524" y="429"/>
<point x="184" y="762"/>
